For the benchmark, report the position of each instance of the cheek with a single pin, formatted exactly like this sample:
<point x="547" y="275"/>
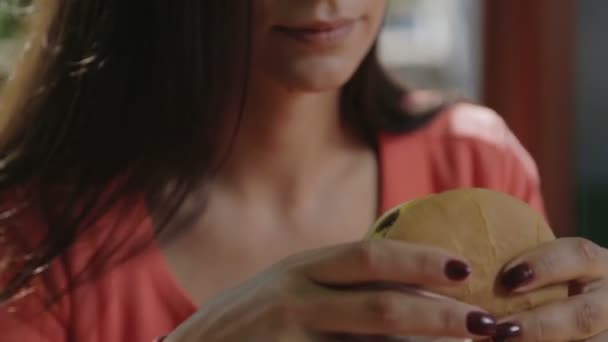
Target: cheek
<point x="376" y="13"/>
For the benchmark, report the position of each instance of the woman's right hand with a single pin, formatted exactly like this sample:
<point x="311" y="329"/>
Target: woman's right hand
<point x="314" y="295"/>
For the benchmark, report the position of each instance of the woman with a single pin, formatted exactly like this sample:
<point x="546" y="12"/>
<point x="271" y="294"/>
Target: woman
<point x="204" y="169"/>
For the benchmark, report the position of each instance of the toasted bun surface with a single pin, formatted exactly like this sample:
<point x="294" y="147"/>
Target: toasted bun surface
<point x="486" y="228"/>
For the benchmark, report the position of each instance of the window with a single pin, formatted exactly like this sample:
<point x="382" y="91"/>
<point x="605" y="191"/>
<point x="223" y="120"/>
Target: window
<point x="434" y="44"/>
<point x="12" y="15"/>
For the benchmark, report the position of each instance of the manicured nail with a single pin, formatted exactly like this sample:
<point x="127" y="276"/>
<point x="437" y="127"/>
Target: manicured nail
<point x="518" y="276"/>
<point x="457" y="270"/>
<point x="481" y="324"/>
<point x="506" y="331"/>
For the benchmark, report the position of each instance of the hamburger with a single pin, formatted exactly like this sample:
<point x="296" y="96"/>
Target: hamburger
<point x="486" y="228"/>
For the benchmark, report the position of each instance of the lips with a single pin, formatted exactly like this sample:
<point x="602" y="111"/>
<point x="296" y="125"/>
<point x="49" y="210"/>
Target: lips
<point x="319" y="33"/>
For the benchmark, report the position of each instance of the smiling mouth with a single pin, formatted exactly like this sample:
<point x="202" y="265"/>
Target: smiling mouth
<point x="319" y="33"/>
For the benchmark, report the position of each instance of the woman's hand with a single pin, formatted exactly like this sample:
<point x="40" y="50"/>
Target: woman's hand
<point x="310" y="297"/>
<point x="583" y="316"/>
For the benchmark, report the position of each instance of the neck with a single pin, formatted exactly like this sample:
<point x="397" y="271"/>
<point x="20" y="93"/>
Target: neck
<point x="286" y="138"/>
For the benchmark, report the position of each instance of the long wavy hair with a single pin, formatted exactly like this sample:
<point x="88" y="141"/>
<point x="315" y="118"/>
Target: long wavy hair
<point x="116" y="98"/>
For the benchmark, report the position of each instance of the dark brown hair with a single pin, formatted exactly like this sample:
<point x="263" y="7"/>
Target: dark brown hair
<point x="135" y="92"/>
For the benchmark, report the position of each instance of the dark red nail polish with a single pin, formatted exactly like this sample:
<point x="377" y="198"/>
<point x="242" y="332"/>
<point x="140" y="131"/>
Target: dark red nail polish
<point x="506" y="331"/>
<point x="517" y="276"/>
<point x="457" y="270"/>
<point x="481" y="324"/>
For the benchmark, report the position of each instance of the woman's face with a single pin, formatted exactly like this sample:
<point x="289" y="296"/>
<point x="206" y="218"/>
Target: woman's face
<point x="313" y="45"/>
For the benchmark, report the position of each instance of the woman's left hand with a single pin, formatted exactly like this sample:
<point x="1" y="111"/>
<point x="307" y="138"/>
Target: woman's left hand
<point x="581" y="317"/>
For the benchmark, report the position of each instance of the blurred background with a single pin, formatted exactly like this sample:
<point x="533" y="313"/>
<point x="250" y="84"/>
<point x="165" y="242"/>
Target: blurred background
<point x="12" y="15"/>
<point x="539" y="63"/>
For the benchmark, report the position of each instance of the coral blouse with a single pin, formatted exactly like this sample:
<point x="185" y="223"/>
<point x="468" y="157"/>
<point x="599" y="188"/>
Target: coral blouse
<point x="139" y="300"/>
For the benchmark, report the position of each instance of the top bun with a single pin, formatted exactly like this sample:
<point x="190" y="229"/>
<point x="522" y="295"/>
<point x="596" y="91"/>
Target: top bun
<point x="486" y="228"/>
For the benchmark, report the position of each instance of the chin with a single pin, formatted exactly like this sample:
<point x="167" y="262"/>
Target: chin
<point x="317" y="78"/>
<point x="317" y="83"/>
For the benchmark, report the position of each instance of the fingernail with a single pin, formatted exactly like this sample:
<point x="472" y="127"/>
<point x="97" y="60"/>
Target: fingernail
<point x="457" y="270"/>
<point x="517" y="276"/>
<point x="482" y="324"/>
<point x="506" y="331"/>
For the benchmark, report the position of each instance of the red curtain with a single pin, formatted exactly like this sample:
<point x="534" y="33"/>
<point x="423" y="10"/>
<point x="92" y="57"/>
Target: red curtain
<point x="529" y="69"/>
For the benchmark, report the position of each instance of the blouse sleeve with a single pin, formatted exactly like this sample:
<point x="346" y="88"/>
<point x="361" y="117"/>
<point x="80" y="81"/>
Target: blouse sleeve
<point x="489" y="154"/>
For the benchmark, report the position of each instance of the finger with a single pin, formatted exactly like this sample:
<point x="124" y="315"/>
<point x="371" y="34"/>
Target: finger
<point x="559" y="261"/>
<point x="386" y="261"/>
<point x="603" y="337"/>
<point x="341" y="337"/>
<point x="392" y="313"/>
<point x="574" y="319"/>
